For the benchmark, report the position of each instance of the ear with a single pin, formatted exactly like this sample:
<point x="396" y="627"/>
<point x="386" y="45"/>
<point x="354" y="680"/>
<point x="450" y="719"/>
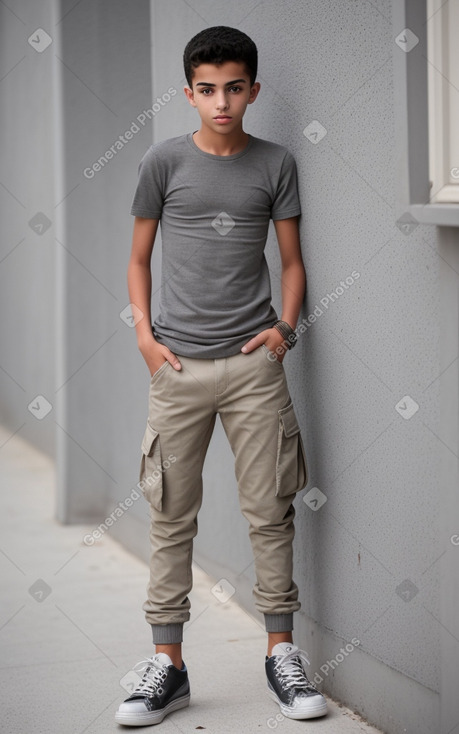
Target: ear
<point x="254" y="92"/>
<point x="190" y="96"/>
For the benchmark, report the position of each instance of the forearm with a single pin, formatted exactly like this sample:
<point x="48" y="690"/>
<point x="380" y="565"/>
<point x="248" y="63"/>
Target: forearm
<point x="293" y="290"/>
<point x="139" y="287"/>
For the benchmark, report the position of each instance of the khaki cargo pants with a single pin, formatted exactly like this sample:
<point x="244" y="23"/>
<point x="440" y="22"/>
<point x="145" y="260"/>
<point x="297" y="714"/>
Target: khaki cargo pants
<point x="249" y="392"/>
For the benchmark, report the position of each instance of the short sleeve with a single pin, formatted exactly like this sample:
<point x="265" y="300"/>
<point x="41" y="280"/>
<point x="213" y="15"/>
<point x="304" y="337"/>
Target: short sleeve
<point x="286" y="201"/>
<point x="149" y="194"/>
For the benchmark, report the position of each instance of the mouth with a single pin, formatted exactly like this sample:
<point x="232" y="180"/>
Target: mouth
<point x="223" y="117"/>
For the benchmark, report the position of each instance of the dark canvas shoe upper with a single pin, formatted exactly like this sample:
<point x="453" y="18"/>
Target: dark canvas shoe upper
<point x="161" y="683"/>
<point x="287" y="678"/>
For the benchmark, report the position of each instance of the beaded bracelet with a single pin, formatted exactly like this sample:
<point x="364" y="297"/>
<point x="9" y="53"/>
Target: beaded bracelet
<point x="287" y="332"/>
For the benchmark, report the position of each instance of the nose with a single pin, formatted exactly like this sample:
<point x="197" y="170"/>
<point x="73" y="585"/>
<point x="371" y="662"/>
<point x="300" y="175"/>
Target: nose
<point x="221" y="101"/>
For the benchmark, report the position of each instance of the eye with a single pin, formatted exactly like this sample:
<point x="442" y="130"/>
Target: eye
<point x="204" y="91"/>
<point x="235" y="89"/>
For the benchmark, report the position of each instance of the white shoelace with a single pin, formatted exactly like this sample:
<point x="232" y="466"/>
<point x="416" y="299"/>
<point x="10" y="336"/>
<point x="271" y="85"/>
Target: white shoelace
<point x="154" y="673"/>
<point x="291" y="667"/>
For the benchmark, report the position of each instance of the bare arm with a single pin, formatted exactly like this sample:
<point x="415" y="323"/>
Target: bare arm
<point x="293" y="284"/>
<point x="139" y="286"/>
<point x="293" y="272"/>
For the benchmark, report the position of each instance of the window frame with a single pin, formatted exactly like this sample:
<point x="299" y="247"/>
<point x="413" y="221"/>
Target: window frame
<point x="412" y="121"/>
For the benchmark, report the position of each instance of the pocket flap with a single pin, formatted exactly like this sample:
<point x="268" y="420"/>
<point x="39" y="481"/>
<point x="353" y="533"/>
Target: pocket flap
<point x="289" y="420"/>
<point x="149" y="438"/>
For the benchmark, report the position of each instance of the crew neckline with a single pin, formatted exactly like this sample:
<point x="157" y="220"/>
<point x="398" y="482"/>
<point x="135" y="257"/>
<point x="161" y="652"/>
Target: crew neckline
<point x="219" y="157"/>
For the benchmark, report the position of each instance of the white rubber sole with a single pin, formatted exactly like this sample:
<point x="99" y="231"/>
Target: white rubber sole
<point x="312" y="712"/>
<point x="152" y="717"/>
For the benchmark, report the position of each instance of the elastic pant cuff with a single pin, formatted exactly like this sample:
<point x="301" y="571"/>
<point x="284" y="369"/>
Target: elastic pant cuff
<point x="167" y="634"/>
<point x="279" y="622"/>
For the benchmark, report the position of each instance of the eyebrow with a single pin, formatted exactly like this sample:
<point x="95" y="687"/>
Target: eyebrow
<point x="228" y="84"/>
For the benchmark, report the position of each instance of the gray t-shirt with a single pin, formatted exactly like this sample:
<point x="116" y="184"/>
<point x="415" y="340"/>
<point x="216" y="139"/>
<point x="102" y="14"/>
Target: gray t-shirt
<point x="214" y="212"/>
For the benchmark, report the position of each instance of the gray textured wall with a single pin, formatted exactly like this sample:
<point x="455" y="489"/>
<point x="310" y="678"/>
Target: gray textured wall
<point x="104" y="83"/>
<point x="376" y="343"/>
<point x="27" y="251"/>
<point x="384" y="477"/>
<point x="63" y="105"/>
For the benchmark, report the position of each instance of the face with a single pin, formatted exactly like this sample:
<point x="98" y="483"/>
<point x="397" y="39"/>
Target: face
<point x="221" y="95"/>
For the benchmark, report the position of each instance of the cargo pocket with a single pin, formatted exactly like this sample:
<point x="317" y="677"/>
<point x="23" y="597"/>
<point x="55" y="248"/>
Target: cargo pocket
<point x="151" y="474"/>
<point x="291" y="466"/>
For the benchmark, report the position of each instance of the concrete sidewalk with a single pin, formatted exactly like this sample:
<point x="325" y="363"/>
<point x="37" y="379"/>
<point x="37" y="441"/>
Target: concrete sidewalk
<point x="72" y="628"/>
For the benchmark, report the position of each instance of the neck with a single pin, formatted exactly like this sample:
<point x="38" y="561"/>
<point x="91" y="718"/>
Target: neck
<point x="212" y="142"/>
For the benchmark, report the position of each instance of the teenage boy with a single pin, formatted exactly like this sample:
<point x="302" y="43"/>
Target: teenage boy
<point x="212" y="350"/>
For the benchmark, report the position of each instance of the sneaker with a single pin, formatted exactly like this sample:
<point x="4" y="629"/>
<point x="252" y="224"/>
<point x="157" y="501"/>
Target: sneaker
<point x="289" y="686"/>
<point x="163" y="688"/>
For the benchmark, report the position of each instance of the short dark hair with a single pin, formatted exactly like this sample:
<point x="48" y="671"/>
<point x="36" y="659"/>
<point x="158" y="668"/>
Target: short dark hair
<point x="219" y="44"/>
